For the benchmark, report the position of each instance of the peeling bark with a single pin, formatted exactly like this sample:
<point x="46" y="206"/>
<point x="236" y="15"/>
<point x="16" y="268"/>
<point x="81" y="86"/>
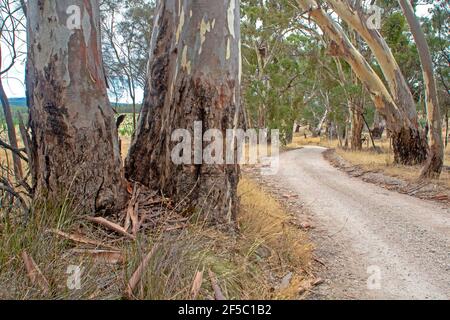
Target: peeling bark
<point x="194" y="75"/>
<point x="75" y="149"/>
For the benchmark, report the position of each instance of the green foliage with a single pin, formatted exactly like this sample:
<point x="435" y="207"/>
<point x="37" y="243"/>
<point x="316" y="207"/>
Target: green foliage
<point x="273" y="68"/>
<point x="126" y="128"/>
<point x="289" y="75"/>
<point x="15" y="111"/>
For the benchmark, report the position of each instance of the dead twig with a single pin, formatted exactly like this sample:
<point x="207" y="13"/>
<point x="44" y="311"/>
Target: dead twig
<point x="81" y="239"/>
<point x="17" y="152"/>
<point x="175" y="228"/>
<point x="6" y="187"/>
<point x="319" y="261"/>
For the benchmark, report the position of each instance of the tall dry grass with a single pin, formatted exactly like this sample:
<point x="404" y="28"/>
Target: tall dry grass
<point x="248" y="265"/>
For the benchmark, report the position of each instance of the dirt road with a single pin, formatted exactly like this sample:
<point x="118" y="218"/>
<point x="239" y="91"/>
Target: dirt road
<point x="376" y="244"/>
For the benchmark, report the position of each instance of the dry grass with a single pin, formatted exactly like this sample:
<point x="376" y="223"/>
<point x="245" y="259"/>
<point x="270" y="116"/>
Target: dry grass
<point x="267" y="232"/>
<point x="248" y="266"/>
<point x="300" y="141"/>
<point x="125" y="145"/>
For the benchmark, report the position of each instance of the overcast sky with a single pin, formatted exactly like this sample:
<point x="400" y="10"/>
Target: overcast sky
<point x="14" y="81"/>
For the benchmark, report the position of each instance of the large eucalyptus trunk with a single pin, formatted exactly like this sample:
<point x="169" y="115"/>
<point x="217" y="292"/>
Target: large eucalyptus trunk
<point x="410" y="146"/>
<point x="75" y="141"/>
<point x="193" y="76"/>
<point x="435" y="162"/>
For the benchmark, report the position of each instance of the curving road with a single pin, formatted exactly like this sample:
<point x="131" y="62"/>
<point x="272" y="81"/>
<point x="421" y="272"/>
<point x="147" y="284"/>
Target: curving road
<point x="375" y="243"/>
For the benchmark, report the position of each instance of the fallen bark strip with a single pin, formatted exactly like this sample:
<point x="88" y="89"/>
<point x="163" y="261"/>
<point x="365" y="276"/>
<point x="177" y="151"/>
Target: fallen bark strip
<point x="81" y="239"/>
<point x="104" y="256"/>
<point x="131" y="209"/>
<point x="35" y="274"/>
<point x="111" y="226"/>
<point x="137" y="275"/>
<point x="196" y="285"/>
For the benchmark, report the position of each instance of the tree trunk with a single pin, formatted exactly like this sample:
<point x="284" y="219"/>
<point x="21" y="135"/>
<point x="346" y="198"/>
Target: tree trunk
<point x="435" y="161"/>
<point x="378" y="126"/>
<point x="75" y="147"/>
<point x="446" y="127"/>
<point x="318" y="131"/>
<point x="338" y="134"/>
<point x="347" y="126"/>
<point x="355" y="110"/>
<point x="194" y="75"/>
<point x="18" y="172"/>
<point x="357" y="127"/>
<point x="406" y="135"/>
<point x="134" y="113"/>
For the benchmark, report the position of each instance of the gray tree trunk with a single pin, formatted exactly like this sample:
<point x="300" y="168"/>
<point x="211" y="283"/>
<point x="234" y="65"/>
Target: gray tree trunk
<point x="379" y="126"/>
<point x="75" y="142"/>
<point x="194" y="75"/>
<point x="357" y="111"/>
<point x="435" y="161"/>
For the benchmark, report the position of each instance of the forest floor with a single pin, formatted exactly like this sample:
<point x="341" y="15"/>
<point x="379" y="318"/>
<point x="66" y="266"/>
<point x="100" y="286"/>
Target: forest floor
<point x="372" y="242"/>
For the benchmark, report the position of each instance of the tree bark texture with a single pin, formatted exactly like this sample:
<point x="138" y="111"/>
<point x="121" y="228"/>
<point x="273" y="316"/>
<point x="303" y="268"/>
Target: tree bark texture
<point x="194" y="75"/>
<point x="75" y="147"/>
<point x="357" y="126"/>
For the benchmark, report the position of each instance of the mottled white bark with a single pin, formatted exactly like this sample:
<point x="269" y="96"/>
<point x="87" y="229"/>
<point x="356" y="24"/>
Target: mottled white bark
<point x="75" y="140"/>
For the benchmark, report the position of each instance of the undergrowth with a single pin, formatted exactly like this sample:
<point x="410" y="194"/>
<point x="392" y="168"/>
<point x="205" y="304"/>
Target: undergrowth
<point x="249" y="265"/>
